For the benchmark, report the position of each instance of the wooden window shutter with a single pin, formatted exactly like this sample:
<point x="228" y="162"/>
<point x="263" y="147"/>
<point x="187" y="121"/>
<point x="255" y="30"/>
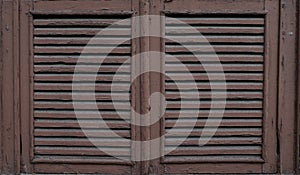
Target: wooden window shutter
<point x="244" y="35"/>
<point x="53" y="141"/>
<point x="241" y="34"/>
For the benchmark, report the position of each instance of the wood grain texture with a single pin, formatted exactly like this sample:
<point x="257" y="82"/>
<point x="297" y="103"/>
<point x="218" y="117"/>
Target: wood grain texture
<point x="25" y="86"/>
<point x="263" y="102"/>
<point x="1" y="85"/>
<point x="298" y="97"/>
<point x="10" y="159"/>
<point x="84" y="168"/>
<point x="228" y="6"/>
<point x="156" y="84"/>
<point x="135" y="88"/>
<point x="102" y="6"/>
<point x="145" y="85"/>
<point x="287" y="89"/>
<point x="270" y="92"/>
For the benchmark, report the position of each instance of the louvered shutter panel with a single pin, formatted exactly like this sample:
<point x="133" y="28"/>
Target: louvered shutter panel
<point x="57" y="38"/>
<point x="58" y="42"/>
<point x="238" y="41"/>
<point x="239" y="35"/>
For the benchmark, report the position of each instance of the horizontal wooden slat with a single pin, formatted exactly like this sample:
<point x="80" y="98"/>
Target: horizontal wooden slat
<point x="215" y="150"/>
<point x="81" y="142"/>
<point x="204" y="104"/>
<point x="213" y="67"/>
<point x="215" y="141"/>
<point x="215" y="20"/>
<point x="52" y="114"/>
<point x="80" y="151"/>
<point x="81" y="78"/>
<point x="80" y="49"/>
<point x="83" y="124"/>
<point x="182" y="132"/>
<point x="72" y="163"/>
<point x="78" y="22"/>
<point x="214" y="85"/>
<point x="215" y="76"/>
<point x="82" y="31"/>
<point x="82" y="59"/>
<point x="81" y="68"/>
<point x="196" y="39"/>
<point x="82" y="96"/>
<point x="204" y="95"/>
<point x="214" y="29"/>
<point x="214" y="113"/>
<point x="213" y="122"/>
<point x="83" y="86"/>
<point x="80" y="105"/>
<point x="229" y="159"/>
<point x="79" y="40"/>
<point x="79" y="133"/>
<point x="215" y="48"/>
<point x="212" y="58"/>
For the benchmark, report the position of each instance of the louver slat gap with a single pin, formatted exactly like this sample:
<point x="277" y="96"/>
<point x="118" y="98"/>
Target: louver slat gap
<point x="58" y="42"/>
<point x="239" y="43"/>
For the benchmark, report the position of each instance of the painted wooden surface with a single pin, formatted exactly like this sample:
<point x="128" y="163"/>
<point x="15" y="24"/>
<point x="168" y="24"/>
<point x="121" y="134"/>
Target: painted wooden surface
<point x="258" y="50"/>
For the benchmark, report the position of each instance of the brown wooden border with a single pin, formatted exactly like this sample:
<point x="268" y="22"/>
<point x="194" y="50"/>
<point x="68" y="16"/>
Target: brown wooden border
<point x="1" y="84"/>
<point x="157" y="83"/>
<point x="298" y="97"/>
<point x="10" y="87"/>
<point x="81" y="169"/>
<point x="298" y="92"/>
<point x="214" y="6"/>
<point x="26" y="86"/>
<point x="135" y="88"/>
<point x="287" y="88"/>
<point x="270" y="102"/>
<point x="82" y="5"/>
<point x="204" y="168"/>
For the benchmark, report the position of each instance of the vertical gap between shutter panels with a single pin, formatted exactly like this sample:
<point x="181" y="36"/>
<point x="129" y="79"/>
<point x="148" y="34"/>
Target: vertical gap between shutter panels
<point x="58" y="42"/>
<point x="239" y="43"/>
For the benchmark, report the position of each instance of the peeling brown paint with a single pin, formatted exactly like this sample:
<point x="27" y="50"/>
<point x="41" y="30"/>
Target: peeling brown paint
<point x="280" y="88"/>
